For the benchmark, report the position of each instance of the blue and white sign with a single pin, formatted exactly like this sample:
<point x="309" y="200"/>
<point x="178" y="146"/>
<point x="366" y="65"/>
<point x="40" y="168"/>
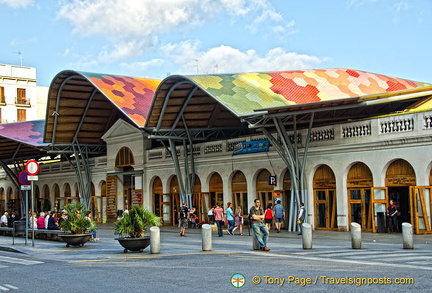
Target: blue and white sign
<point x="249" y="147"/>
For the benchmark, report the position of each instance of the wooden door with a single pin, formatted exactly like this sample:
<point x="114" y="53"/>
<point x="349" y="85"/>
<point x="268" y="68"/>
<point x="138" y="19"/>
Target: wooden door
<point x="379" y="205"/>
<point x="421" y="207"/>
<point x="325" y="209"/>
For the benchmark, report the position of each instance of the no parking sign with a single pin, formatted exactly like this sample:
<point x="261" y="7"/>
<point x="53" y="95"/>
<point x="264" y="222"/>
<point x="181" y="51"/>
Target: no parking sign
<point x="23" y="178"/>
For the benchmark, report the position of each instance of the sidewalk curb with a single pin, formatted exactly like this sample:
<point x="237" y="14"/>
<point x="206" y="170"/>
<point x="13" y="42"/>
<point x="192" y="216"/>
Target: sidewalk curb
<point x="10" y="249"/>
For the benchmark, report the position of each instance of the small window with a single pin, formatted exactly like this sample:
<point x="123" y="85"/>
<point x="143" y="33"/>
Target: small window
<point x="2" y="96"/>
<point x="124" y="158"/>
<point x="21" y="97"/>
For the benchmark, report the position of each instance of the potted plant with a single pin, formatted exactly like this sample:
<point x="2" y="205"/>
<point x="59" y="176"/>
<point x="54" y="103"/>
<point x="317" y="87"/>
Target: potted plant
<point x="77" y="223"/>
<point x="135" y="224"/>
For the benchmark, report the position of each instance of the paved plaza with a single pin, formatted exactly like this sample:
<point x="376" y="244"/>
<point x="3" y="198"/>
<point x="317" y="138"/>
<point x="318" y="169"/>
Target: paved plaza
<point x="286" y="266"/>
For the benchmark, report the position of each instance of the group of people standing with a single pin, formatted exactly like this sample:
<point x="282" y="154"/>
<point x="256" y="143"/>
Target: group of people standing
<point x="44" y="221"/>
<point x="234" y="219"/>
<point x="217" y="215"/>
<point x="259" y="218"/>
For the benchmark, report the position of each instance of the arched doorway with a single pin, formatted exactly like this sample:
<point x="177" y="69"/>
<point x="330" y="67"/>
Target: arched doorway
<point x="2" y="200"/>
<point x="161" y="202"/>
<point x="216" y="190"/>
<point x="198" y="200"/>
<point x="287" y="199"/>
<point x="125" y="162"/>
<point x="175" y="197"/>
<point x="400" y="176"/>
<point x="324" y="183"/>
<point x="102" y="202"/>
<point x="263" y="189"/>
<point x="38" y="199"/>
<point x="12" y="203"/>
<point x="239" y="192"/>
<point x="58" y="201"/>
<point x="67" y="195"/>
<point x="359" y="183"/>
<point x="46" y="202"/>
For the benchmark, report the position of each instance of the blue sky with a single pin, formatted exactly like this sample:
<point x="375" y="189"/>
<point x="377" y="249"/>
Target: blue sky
<point x="155" y="38"/>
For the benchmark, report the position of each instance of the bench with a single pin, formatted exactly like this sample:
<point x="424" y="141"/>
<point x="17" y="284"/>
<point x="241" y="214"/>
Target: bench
<point x="6" y="231"/>
<point x="47" y="234"/>
<point x="39" y="233"/>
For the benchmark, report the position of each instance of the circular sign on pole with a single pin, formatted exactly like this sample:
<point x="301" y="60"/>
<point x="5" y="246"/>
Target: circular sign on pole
<point x="32" y="167"/>
<point x="23" y="178"/>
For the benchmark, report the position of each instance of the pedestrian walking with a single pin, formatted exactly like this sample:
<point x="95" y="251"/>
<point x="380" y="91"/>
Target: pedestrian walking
<point x="268" y="216"/>
<point x="256" y="214"/>
<point x="279" y="215"/>
<point x="301" y="217"/>
<point x="183" y="216"/>
<point x="238" y="221"/>
<point x="219" y="214"/>
<point x="230" y="218"/>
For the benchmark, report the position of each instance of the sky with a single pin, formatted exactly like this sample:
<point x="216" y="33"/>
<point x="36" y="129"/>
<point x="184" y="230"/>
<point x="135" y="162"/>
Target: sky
<point x="157" y="38"/>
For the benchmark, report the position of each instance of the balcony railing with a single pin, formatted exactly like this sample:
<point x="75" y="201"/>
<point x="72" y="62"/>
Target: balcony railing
<point x="22" y="102"/>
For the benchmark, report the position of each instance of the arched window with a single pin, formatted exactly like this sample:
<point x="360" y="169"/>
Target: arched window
<point x="124" y="158"/>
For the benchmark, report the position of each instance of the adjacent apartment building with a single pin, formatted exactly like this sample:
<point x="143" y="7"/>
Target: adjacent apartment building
<point x="20" y="97"/>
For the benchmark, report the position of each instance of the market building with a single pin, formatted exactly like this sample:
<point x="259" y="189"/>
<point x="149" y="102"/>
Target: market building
<point x="343" y="141"/>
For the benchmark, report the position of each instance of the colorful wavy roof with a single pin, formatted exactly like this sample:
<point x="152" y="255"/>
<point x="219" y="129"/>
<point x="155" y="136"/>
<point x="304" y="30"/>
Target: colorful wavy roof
<point x="245" y="93"/>
<point x="29" y="132"/>
<point x="132" y="95"/>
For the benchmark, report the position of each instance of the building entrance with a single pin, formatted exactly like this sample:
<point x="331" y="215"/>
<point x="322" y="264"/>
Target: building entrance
<point x="400" y="195"/>
<point x="325" y="199"/>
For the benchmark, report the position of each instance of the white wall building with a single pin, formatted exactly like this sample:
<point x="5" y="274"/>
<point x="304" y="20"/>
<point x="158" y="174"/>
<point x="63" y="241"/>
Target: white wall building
<point x="20" y="97"/>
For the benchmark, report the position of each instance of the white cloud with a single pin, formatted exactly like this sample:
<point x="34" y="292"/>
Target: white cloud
<point x="143" y="66"/>
<point x="124" y="19"/>
<point x="17" y="3"/>
<point x="133" y="28"/>
<point x="127" y="23"/>
<point x="226" y="59"/>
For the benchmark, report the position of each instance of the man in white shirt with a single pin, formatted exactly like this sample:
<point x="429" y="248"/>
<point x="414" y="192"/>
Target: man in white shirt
<point x="46" y="219"/>
<point x="4" y="220"/>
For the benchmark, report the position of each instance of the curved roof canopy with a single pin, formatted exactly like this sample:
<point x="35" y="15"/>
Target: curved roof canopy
<point x="82" y="106"/>
<point x="22" y="140"/>
<point x="221" y="99"/>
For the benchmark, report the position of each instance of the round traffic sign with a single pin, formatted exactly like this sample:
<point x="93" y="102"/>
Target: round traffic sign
<point x="23" y="178"/>
<point x="32" y="167"/>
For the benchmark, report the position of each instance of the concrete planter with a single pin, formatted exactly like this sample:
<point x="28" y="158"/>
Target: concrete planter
<point x="76" y="239"/>
<point x="134" y="244"/>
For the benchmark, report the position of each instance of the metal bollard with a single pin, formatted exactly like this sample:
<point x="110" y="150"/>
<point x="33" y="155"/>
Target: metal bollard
<point x="307" y="235"/>
<point x="206" y="231"/>
<point x="407" y="236"/>
<point x="356" y="241"/>
<point x="154" y="240"/>
<point x="255" y="243"/>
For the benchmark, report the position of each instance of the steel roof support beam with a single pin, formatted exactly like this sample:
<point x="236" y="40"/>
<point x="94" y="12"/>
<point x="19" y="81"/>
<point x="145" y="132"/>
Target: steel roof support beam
<point x="165" y="105"/>
<point x="81" y="165"/>
<point x="189" y="156"/>
<point x="183" y="108"/>
<point x="89" y="101"/>
<point x="13" y="175"/>
<point x="56" y="112"/>
<point x="289" y="152"/>
<point x="172" y="149"/>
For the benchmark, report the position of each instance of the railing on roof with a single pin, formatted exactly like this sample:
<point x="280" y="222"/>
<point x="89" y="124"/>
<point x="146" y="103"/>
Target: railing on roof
<point x="347" y="133"/>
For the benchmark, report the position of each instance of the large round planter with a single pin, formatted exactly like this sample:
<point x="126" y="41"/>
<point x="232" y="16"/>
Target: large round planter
<point x="76" y="239"/>
<point x="134" y="244"/>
